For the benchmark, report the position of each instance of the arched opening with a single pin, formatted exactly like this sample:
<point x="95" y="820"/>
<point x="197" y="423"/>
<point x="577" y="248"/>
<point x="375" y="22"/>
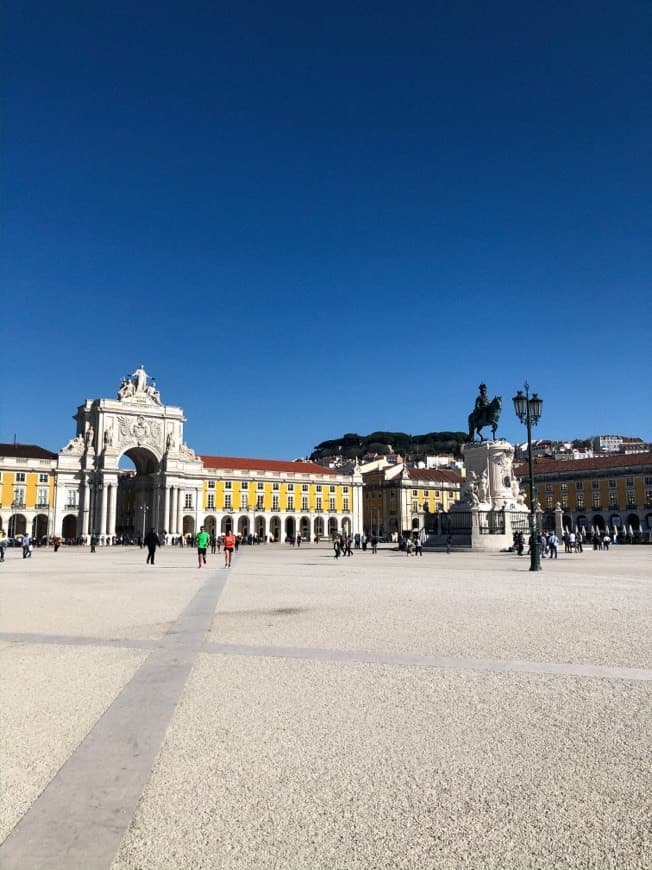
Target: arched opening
<point x="415" y="524"/>
<point x="17" y="525"/>
<point x="304" y="528"/>
<point x="69" y="527"/>
<point x="548" y="522"/>
<point x="648" y="521"/>
<point x="615" y="521"/>
<point x="567" y="523"/>
<point x="260" y="527"/>
<point x="243" y="526"/>
<point x="40" y="527"/>
<point x="290" y="527"/>
<point x="210" y="524"/>
<point x="188" y="525"/>
<point x="598" y="522"/>
<point x="582" y="523"/>
<point x="633" y="522"/>
<point x="140" y="502"/>
<point x="332" y="527"/>
<point x="275" y="528"/>
<point x="226" y="525"/>
<point x="319" y="527"/>
<point x="346" y="525"/>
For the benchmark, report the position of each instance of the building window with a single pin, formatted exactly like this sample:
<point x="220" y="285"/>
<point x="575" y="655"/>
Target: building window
<point x="579" y="484"/>
<point x="648" y="498"/>
<point x="228" y="484"/>
<point x="304" y="487"/>
<point x="629" y="481"/>
<point x="612" y="483"/>
<point x="415" y="506"/>
<point x="318" y="503"/>
<point x="244" y="501"/>
<point x="631" y="499"/>
<point x="228" y="504"/>
<point x="549" y="501"/>
<point x="290" y="502"/>
<point x="613" y="499"/>
<point x="549" y="487"/>
<point x="563" y="487"/>
<point x="595" y="484"/>
<point x="260" y="503"/>
<point x="211" y="484"/>
<point x="345" y="503"/>
<point x="580" y="501"/>
<point x="187" y="503"/>
<point x="648" y="481"/>
<point x="564" y="501"/>
<point x="19" y="497"/>
<point x="41" y="497"/>
<point x="331" y="489"/>
<point x="20" y="477"/>
<point x="304" y="502"/>
<point x="210" y="501"/>
<point x="274" y="502"/>
<point x="596" y="500"/>
<point x="276" y="487"/>
<point x="331" y="504"/>
<point x="260" y="485"/>
<point x="71" y="498"/>
<point x="43" y="478"/>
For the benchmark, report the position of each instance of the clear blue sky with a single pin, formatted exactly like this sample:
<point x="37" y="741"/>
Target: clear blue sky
<point x="309" y="219"/>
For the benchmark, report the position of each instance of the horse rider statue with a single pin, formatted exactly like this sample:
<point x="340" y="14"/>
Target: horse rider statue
<point x="485" y="413"/>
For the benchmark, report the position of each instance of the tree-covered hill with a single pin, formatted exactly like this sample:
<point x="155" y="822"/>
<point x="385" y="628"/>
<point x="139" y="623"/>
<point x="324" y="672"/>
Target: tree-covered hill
<point x="411" y="447"/>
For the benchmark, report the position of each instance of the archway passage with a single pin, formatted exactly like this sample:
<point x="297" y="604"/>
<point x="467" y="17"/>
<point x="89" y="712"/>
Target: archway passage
<point x="260" y="527"/>
<point x="633" y="522"/>
<point x="243" y="526"/>
<point x="227" y="525"/>
<point x="139" y="503"/>
<point x="304" y="528"/>
<point x="210" y="524"/>
<point x="69" y="527"/>
<point x="598" y="522"/>
<point x="17" y="525"/>
<point x="290" y="527"/>
<point x="332" y="527"/>
<point x="188" y="525"/>
<point x="275" y="528"/>
<point x="40" y="527"/>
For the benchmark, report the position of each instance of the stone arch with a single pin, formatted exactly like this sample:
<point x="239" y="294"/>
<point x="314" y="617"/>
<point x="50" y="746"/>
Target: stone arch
<point x="17" y="525"/>
<point x="332" y="526"/>
<point x="319" y="527"/>
<point x="40" y="527"/>
<point x="648" y="521"/>
<point x="243" y="525"/>
<point x="415" y="524"/>
<point x="188" y="525"/>
<point x="69" y="527"/>
<point x="260" y="526"/>
<point x="290" y="527"/>
<point x="634" y="521"/>
<point x="598" y="522"/>
<point x="139" y="504"/>
<point x="304" y="528"/>
<point x="615" y="521"/>
<point x="226" y="525"/>
<point x="210" y="524"/>
<point x="275" y="528"/>
<point x="566" y="523"/>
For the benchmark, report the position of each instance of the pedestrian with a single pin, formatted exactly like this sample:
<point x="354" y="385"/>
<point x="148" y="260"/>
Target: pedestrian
<point x="201" y="540"/>
<point x="374" y="544"/>
<point x="606" y="540"/>
<point x="213" y="544"/>
<point x="449" y="544"/>
<point x="27" y="547"/>
<point x="151" y="541"/>
<point x="336" y="547"/>
<point x="3" y="546"/>
<point x="418" y="547"/>
<point x="298" y="540"/>
<point x="229" y="546"/>
<point x="553" y="543"/>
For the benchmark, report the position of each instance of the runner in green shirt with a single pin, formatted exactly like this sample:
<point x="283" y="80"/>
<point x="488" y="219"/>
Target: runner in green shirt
<point x="202" y="540"/>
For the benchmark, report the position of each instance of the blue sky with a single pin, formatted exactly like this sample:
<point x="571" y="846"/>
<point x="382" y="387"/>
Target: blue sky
<point x="311" y="219"/>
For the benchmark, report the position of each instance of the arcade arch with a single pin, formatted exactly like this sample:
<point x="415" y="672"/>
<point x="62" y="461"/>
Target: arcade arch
<point x="17" y="525"/>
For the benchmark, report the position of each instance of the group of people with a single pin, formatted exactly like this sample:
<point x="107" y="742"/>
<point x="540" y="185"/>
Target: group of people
<point x="203" y="540"/>
<point x="573" y="542"/>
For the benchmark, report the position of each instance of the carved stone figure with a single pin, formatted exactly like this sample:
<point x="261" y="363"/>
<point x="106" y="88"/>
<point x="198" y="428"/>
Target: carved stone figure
<point x="90" y="433"/>
<point x="140" y="381"/>
<point x="483" y="487"/>
<point x="485" y="413"/>
<point x="108" y="436"/>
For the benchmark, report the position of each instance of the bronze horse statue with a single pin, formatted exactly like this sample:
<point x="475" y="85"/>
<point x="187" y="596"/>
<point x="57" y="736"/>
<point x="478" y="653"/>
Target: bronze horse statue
<point x="485" y="416"/>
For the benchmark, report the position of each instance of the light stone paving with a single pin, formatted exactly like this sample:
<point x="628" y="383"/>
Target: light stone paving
<point x="298" y="711"/>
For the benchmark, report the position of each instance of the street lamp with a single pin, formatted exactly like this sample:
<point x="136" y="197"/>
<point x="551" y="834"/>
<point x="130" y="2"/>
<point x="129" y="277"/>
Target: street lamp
<point x="528" y="410"/>
<point x="144" y="508"/>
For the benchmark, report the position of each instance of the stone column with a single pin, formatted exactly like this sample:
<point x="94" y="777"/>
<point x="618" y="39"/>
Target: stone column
<point x="103" y="515"/>
<point x="559" y="514"/>
<point x="166" y="508"/>
<point x="113" y="507"/>
<point x="86" y="507"/>
<point x="179" y="523"/>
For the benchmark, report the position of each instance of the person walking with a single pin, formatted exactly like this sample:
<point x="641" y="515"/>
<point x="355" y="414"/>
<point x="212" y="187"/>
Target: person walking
<point x="3" y="546"/>
<point x="449" y="545"/>
<point x="229" y="546"/>
<point x="27" y="547"/>
<point x="553" y="544"/>
<point x="374" y="543"/>
<point x="213" y="544"/>
<point x="418" y="547"/>
<point x="202" y="540"/>
<point x="151" y="541"/>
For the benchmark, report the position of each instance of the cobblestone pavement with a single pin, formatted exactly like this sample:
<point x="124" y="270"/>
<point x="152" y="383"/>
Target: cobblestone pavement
<point x="297" y="711"/>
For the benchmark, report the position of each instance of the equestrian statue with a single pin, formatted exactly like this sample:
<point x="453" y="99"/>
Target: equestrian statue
<point x="485" y="413"/>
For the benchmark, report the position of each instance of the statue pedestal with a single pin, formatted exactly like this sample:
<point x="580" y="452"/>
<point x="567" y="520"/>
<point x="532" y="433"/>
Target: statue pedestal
<point x="491" y="508"/>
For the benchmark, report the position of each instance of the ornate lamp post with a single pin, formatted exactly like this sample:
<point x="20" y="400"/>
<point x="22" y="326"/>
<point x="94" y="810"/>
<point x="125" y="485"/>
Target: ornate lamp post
<point x="528" y="410"/>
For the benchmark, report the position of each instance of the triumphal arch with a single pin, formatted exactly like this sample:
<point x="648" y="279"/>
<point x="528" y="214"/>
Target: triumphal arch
<point x="138" y="425"/>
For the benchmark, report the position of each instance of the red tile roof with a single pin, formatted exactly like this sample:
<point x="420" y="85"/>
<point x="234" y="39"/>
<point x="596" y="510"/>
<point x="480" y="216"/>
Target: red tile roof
<point x="26" y="451"/>
<point x="239" y="463"/>
<point x="597" y="463"/>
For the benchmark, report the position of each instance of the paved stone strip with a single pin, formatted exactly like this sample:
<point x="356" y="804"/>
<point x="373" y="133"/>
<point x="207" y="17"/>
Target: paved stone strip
<point x="83" y="814"/>
<point x="177" y="637"/>
<point x="379" y="658"/>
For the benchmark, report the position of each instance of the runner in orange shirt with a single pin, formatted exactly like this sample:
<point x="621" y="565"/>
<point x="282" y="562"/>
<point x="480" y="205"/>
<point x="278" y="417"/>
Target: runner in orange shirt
<point x="229" y="544"/>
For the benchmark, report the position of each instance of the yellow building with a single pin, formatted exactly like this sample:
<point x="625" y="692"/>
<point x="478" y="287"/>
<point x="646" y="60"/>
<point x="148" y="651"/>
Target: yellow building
<point x="398" y="498"/>
<point x="605" y="491"/>
<point x="27" y="482"/>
